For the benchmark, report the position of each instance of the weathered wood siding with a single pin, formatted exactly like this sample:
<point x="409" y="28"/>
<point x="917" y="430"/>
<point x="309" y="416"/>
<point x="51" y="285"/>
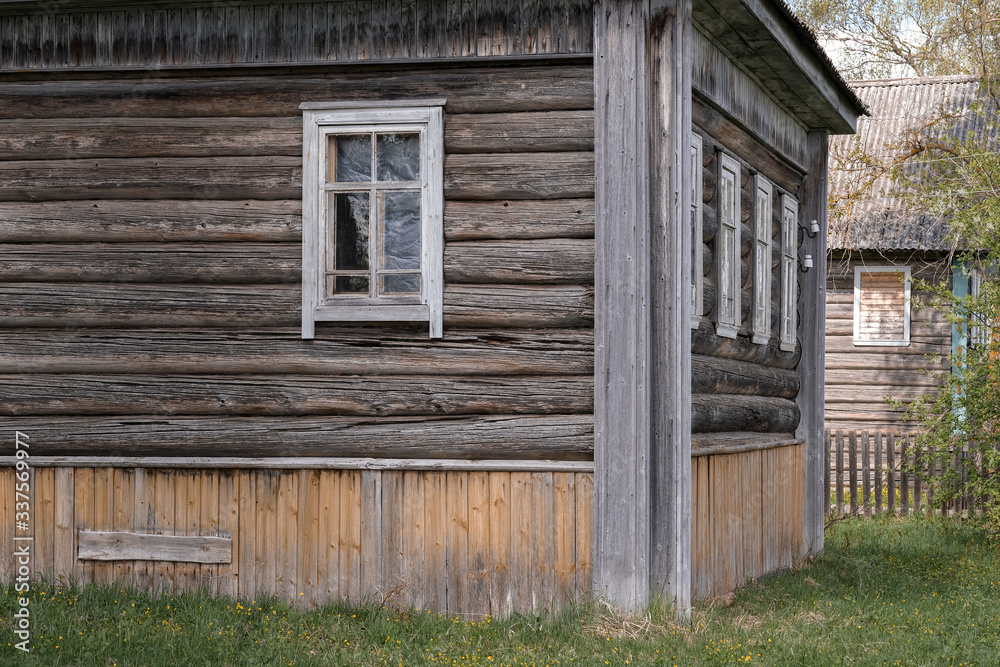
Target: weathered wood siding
<point x="255" y="33"/>
<point x="151" y="238"/>
<point x="860" y="378"/>
<point x="460" y="541"/>
<point x="737" y="385"/>
<point x="746" y="517"/>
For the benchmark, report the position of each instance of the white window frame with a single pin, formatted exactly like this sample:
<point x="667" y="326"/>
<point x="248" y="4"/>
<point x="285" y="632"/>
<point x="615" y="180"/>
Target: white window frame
<point x="728" y="306"/>
<point x="789" y="272"/>
<point x="905" y="340"/>
<point x="763" y="214"/>
<point x="697" y="234"/>
<point x="320" y="120"/>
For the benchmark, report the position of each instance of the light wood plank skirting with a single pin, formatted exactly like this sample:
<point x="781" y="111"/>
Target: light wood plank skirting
<point x="470" y="541"/>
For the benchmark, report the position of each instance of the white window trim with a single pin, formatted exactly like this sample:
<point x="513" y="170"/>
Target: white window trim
<point x="319" y="120"/>
<point x="763" y="214"/>
<point x="789" y="272"/>
<point x="697" y="234"/>
<point x="905" y="340"/>
<point x="728" y="267"/>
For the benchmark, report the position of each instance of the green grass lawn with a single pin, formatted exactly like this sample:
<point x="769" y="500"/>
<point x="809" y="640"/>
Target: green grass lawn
<point x="920" y="591"/>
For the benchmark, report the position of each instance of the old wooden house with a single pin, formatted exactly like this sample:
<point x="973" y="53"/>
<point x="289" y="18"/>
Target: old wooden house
<point x="884" y="338"/>
<point x="474" y="306"/>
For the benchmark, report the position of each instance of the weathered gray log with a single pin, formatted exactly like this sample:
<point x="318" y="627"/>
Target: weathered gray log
<point x="519" y="176"/>
<point x="709" y="182"/>
<point x="878" y="360"/>
<point x="112" y="546"/>
<point x="262" y="177"/>
<point x="547" y="131"/>
<point x="521" y="306"/>
<point x="738" y="141"/>
<point x="712" y="413"/>
<point x="72" y="138"/>
<point x="922" y="348"/>
<point x="545" y="261"/>
<point x="710" y="444"/>
<point x="227" y="306"/>
<point x="267" y="395"/>
<point x="704" y="341"/>
<point x="147" y="221"/>
<point x="518" y="219"/>
<point x="746" y="203"/>
<point x="714" y="375"/>
<point x="467" y="89"/>
<point x="709" y="224"/>
<point x="232" y="263"/>
<point x="343" y="351"/>
<point x="498" y="437"/>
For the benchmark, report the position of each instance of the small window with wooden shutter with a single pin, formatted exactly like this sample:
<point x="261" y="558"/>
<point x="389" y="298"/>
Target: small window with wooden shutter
<point x="882" y="305"/>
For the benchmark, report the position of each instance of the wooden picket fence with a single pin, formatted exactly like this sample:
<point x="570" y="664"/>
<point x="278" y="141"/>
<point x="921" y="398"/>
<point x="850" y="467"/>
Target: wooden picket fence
<point x="869" y="472"/>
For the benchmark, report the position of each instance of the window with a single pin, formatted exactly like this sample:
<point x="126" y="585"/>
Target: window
<point x="372" y="202"/>
<point x="789" y="271"/>
<point x="697" y="242"/>
<point x="762" y="261"/>
<point x="727" y="249"/>
<point x="882" y="305"/>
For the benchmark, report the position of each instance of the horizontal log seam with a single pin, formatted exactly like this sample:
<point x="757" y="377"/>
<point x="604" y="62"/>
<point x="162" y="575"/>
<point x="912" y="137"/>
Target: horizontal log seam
<point x="714" y="449"/>
<point x="302" y="463"/>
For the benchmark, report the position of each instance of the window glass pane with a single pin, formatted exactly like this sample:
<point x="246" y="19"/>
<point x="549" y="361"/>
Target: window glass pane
<point x="350" y="224"/>
<point x="351" y="158"/>
<point x="401" y="284"/>
<point x="397" y="157"/>
<point x="401" y="230"/>
<point x="350" y="285"/>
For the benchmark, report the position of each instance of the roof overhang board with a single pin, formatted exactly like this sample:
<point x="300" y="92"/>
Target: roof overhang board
<point x="764" y="42"/>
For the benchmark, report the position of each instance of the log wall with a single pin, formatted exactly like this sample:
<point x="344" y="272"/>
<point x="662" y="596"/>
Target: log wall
<point x="739" y="386"/>
<point x="746" y="517"/>
<point x="459" y="541"/>
<point x="860" y="378"/>
<point x="151" y="237"/>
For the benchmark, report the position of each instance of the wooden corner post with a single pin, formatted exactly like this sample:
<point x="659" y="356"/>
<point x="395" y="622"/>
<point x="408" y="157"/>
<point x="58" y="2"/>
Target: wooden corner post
<point x="811" y="334"/>
<point x="642" y="366"/>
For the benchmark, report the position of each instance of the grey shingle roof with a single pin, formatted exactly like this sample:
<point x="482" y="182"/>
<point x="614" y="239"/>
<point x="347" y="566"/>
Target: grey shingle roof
<point x="880" y="214"/>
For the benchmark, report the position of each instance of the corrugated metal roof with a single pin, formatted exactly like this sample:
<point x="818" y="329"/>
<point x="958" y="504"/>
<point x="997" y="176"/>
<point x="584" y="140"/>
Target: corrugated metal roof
<point x="880" y="214"/>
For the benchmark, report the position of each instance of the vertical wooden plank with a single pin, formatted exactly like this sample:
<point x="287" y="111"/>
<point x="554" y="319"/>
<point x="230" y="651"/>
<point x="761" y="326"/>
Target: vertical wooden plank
<point x="470" y="35"/>
<point x="879" y="459"/>
<point x="83" y="571"/>
<point x="435" y="577"/>
<point x="307" y="568"/>
<point x="43" y="490"/>
<point x="523" y="577"/>
<point x="185" y="522"/>
<point x="890" y="452"/>
<point x="564" y="555"/>
<point x="501" y="595"/>
<point x="904" y="476"/>
<point x="265" y="552"/>
<point x="529" y="27"/>
<point x="866" y="482"/>
<point x="63" y="555"/>
<point x="853" y="463"/>
<point x="321" y="33"/>
<point x="452" y="34"/>
<point x="349" y="540"/>
<point x="840" y="472"/>
<point x="163" y="506"/>
<point x="123" y="519"/>
<point x="7" y="525"/>
<point x="701" y="529"/>
<point x="287" y="558"/>
<point x="584" y="535"/>
<point x="144" y="520"/>
<point x="205" y="517"/>
<point x="543" y="533"/>
<point x="413" y="539"/>
<point x="722" y="574"/>
<point x="328" y="575"/>
<point x="932" y="469"/>
<point x="247" y="567"/>
<point x="459" y="574"/>
<point x="392" y="537"/>
<point x="227" y="575"/>
<point x="753" y="554"/>
<point x="348" y="31"/>
<point x="827" y="439"/>
<point x="479" y="559"/>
